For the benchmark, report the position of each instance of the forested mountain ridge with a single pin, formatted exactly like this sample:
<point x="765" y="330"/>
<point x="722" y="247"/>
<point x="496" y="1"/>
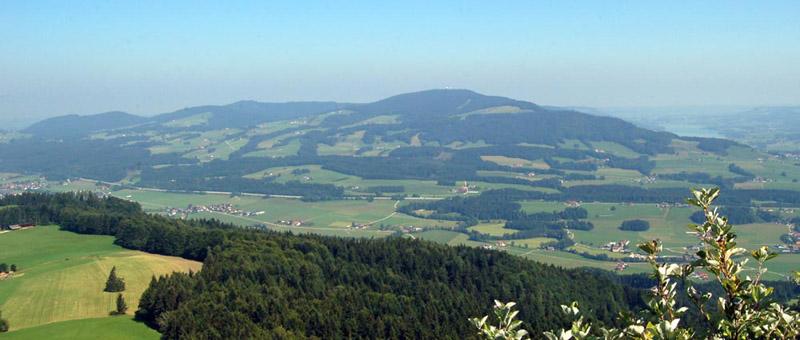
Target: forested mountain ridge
<point x="76" y="126"/>
<point x="442" y="116"/>
<point x="465" y="126"/>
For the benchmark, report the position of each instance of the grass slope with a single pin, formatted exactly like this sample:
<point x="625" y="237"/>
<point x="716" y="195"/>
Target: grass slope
<point x="63" y="274"/>
<point x="107" y="328"/>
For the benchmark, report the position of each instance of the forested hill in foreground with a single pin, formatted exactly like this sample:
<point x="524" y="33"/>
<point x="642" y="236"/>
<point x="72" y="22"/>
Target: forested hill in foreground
<point x="264" y="284"/>
<point x="435" y="135"/>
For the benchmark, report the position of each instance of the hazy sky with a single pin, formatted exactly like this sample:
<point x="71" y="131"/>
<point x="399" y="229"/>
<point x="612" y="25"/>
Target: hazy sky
<point x="146" y="57"/>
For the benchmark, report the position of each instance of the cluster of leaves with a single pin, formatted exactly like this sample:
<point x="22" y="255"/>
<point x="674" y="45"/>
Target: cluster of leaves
<point x="508" y="328"/>
<point x="744" y="310"/>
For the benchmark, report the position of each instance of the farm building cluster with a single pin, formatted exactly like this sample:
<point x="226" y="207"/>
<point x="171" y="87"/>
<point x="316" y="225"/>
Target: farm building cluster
<point x="7" y="271"/>
<point x="357" y="225"/>
<point x="466" y="188"/>
<point x="790" y="155"/>
<point x="617" y="247"/>
<point x="410" y="229"/>
<point x="292" y="222"/>
<point x="224" y="208"/>
<point x="15" y="227"/>
<point x="646" y="180"/>
<point x="791" y="243"/>
<point x="22" y="186"/>
<point x="666" y="205"/>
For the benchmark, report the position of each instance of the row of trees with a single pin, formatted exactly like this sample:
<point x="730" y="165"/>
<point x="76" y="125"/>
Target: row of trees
<point x="635" y="225"/>
<point x="6" y="268"/>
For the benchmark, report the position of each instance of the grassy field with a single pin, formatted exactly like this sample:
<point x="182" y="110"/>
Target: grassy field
<point x="451" y="238"/>
<point x="492" y="228"/>
<point x="557" y="258"/>
<point x="158" y="201"/>
<point x="289" y="149"/>
<point x="107" y="328"/>
<point x="567" y="260"/>
<point x="616" y="149"/>
<point x="760" y="234"/>
<point x="187" y="143"/>
<point x="351" y="184"/>
<point x="74" y="185"/>
<point x="62" y="275"/>
<point x="532" y="243"/>
<point x="573" y="144"/>
<point x="326" y="217"/>
<point x="345" y="145"/>
<point x="197" y="119"/>
<point x="221" y="150"/>
<point x="516" y="162"/>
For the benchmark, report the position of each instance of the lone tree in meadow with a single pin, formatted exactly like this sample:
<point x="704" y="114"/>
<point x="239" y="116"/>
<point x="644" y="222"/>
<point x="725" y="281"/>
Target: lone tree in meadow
<point x="114" y="283"/>
<point x="3" y="323"/>
<point x="122" y="307"/>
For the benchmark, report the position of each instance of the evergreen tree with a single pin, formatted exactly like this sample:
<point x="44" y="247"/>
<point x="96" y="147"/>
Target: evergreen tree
<point x="13" y="267"/>
<point x="3" y="323"/>
<point x="122" y="307"/>
<point x="114" y="283"/>
<point x="3" y="267"/>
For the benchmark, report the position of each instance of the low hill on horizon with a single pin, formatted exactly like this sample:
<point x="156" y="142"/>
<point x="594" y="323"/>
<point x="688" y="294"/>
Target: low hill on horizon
<point x="444" y="115"/>
<point x="441" y="135"/>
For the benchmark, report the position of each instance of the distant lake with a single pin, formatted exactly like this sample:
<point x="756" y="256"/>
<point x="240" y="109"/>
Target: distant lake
<point x="691" y="130"/>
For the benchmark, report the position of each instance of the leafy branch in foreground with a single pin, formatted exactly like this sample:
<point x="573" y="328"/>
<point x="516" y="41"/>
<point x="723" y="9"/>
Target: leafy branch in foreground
<point x="744" y="310"/>
<point x="508" y="327"/>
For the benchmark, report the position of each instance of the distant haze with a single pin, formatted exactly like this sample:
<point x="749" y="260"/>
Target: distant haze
<point x="153" y="57"/>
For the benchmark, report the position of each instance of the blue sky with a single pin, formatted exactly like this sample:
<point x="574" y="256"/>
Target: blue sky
<point x="147" y="57"/>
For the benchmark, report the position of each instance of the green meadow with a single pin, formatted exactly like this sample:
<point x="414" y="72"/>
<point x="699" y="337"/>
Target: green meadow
<point x="327" y="217"/>
<point x="62" y="274"/>
<point x="106" y="328"/>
